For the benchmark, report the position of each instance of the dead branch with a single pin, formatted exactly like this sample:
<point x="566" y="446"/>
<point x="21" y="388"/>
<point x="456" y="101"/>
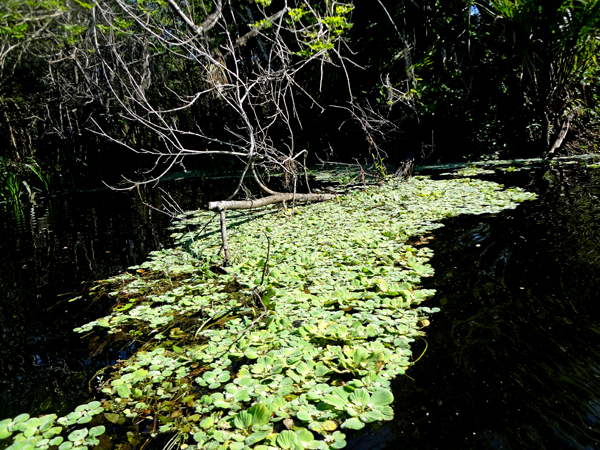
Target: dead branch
<point x="249" y="77"/>
<point x="269" y="200"/>
<point x="224" y="236"/>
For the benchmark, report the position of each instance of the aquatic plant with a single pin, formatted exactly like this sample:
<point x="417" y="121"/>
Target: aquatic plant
<point x="14" y="175"/>
<point x="298" y="340"/>
<point x="48" y="431"/>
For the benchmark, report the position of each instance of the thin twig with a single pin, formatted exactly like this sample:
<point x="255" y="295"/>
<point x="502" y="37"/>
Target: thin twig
<point x="256" y="293"/>
<point x="224" y="237"/>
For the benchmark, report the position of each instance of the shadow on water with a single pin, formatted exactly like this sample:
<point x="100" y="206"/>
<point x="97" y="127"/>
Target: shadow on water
<point x="513" y="358"/>
<point x="51" y="252"/>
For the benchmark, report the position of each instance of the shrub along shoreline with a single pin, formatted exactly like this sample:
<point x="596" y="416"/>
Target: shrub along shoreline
<point x="291" y="346"/>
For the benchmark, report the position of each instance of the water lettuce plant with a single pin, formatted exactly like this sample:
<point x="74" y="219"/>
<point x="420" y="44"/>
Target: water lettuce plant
<point x="297" y="341"/>
<point x="49" y="431"/>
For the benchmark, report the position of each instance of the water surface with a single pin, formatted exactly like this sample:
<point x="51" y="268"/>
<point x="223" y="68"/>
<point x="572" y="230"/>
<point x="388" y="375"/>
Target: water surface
<point x="513" y="358"/>
<point x="51" y="252"/>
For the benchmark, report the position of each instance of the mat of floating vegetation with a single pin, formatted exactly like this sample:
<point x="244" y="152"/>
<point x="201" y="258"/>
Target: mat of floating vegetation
<point x="290" y="347"/>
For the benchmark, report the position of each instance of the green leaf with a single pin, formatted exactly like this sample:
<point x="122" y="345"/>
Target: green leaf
<point x="124" y="391"/>
<point x="97" y="431"/>
<point x="382" y="397"/>
<point x="287" y="439"/>
<point x="371" y="416"/>
<point x="304" y="436"/>
<point x="52" y="432"/>
<point x="207" y="422"/>
<point x="78" y="435"/>
<point x="241" y="395"/>
<point x="93" y="405"/>
<point x="338" y="444"/>
<point x="304" y="416"/>
<point x="223" y="377"/>
<point x="84" y="4"/>
<point x="4" y="433"/>
<point x="21" y="418"/>
<point x="321" y="369"/>
<point x="243" y="420"/>
<point x="257" y="437"/>
<point x="56" y="441"/>
<point x="386" y="412"/>
<point x="260" y="414"/>
<point x="200" y="438"/>
<point x="360" y="355"/>
<point x="222" y="404"/>
<point x="25" y="444"/>
<point x="47" y="422"/>
<point x="29" y="432"/>
<point x="360" y="397"/>
<point x="302" y="369"/>
<point x="335" y="400"/>
<point x="85" y="419"/>
<point x="353" y="423"/>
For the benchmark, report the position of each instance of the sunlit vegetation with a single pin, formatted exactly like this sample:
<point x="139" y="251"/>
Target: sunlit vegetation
<point x="296" y="343"/>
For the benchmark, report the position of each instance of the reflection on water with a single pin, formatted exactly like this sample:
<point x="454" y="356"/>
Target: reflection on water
<point x="49" y="253"/>
<point x="513" y="359"/>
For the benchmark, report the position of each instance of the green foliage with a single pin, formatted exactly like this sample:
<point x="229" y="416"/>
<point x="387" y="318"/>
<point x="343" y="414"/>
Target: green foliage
<point x="25" y="20"/>
<point x="264" y="3"/>
<point x="345" y="305"/>
<point x="262" y="24"/>
<point x="48" y="431"/>
<point x="15" y="179"/>
<point x="296" y="13"/>
<point x="320" y="30"/>
<point x="554" y="45"/>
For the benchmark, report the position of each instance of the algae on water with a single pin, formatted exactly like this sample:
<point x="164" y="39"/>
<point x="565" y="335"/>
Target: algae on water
<point x="298" y="340"/>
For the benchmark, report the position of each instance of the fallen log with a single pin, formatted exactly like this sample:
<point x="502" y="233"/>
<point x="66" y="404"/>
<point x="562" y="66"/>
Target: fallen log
<point x="269" y="200"/>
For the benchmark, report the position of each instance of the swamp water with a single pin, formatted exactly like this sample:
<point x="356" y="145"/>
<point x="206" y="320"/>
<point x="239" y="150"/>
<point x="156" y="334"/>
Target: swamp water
<point x="51" y="252"/>
<point x="436" y="410"/>
<point x="513" y="358"/>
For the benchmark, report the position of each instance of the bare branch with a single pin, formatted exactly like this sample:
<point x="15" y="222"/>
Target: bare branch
<point x="208" y="23"/>
<point x="264" y="201"/>
<point x="256" y="30"/>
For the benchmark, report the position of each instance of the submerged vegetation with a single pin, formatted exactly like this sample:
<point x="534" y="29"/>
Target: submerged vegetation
<point x="297" y="341"/>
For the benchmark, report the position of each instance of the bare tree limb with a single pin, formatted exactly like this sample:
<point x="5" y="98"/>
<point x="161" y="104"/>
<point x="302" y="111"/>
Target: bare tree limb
<point x="208" y="23"/>
<point x="271" y="199"/>
<point x="242" y="40"/>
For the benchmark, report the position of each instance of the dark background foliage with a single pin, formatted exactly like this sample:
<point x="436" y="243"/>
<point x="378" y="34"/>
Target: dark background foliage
<point x="433" y="80"/>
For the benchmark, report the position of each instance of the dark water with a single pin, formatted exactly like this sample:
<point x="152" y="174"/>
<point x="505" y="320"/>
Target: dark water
<point x="49" y="253"/>
<point x="512" y="360"/>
